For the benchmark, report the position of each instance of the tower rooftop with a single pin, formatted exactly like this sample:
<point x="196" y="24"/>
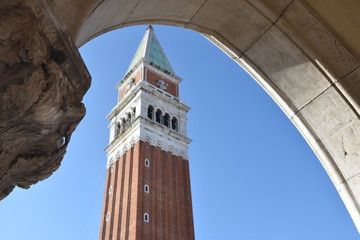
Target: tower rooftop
<point x="151" y="50"/>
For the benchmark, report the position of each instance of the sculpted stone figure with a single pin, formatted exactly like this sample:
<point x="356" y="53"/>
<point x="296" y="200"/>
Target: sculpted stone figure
<point x="39" y="105"/>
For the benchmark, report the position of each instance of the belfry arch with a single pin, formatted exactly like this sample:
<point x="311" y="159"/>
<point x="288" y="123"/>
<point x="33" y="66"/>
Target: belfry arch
<point x="293" y="49"/>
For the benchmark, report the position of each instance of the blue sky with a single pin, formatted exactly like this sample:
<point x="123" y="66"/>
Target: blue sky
<point x="253" y="175"/>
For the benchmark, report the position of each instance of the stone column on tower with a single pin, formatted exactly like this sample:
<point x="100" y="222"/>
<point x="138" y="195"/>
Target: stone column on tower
<point x="147" y="190"/>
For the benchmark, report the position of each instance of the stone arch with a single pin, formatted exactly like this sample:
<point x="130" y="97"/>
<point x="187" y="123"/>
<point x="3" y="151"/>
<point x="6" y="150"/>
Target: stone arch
<point x="132" y="141"/>
<point x="159" y="144"/>
<point x="150" y="112"/>
<point x="303" y="76"/>
<point x="182" y="153"/>
<point x="118" y="128"/>
<point x="159" y="116"/>
<point x="123" y="150"/>
<point x="167" y="120"/>
<point x="171" y="148"/>
<point x="112" y="160"/>
<point x="117" y="155"/>
<point x="148" y="139"/>
<point x="309" y="71"/>
<point x="174" y="124"/>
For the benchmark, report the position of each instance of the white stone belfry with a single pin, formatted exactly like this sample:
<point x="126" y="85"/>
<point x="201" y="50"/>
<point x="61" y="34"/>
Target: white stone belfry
<point x="148" y="107"/>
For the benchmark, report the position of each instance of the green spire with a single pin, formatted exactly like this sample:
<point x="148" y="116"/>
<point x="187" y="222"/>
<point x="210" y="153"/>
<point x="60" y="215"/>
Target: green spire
<point x="151" y="50"/>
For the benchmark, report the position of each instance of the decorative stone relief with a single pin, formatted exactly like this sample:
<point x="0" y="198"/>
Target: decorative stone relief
<point x="130" y="85"/>
<point x="161" y="84"/>
<point x="40" y="100"/>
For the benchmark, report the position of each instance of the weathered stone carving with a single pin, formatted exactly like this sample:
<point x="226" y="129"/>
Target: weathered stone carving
<point x="40" y="104"/>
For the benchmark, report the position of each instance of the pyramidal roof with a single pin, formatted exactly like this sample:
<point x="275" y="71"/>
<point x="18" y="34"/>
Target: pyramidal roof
<point x="150" y="50"/>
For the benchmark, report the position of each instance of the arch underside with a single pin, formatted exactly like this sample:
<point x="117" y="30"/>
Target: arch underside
<point x="289" y="51"/>
<point x="302" y="61"/>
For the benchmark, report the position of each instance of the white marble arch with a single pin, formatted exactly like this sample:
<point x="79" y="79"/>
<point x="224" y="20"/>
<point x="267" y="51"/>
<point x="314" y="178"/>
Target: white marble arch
<point x="289" y="50"/>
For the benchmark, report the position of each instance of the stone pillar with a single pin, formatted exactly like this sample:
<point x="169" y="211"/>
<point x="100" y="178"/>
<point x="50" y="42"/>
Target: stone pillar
<point x="42" y="82"/>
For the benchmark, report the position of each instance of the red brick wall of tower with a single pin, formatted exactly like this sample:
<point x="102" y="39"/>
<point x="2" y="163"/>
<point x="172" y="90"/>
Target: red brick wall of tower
<point x="136" y="78"/>
<point x="151" y="78"/>
<point x="168" y="201"/>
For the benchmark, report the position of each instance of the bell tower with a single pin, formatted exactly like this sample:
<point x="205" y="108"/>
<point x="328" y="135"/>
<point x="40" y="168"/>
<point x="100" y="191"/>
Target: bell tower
<point x="147" y="191"/>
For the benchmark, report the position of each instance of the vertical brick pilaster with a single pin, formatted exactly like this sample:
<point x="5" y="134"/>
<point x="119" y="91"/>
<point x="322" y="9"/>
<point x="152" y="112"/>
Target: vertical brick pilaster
<point x="118" y="193"/>
<point x="134" y="198"/>
<point x="188" y="202"/>
<point x="105" y="206"/>
<point x="168" y="202"/>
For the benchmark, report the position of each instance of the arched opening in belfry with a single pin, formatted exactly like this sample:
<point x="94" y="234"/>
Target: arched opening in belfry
<point x="174" y="124"/>
<point x="150" y="112"/>
<point x="167" y="120"/>
<point x="223" y="145"/>
<point x="118" y="128"/>
<point x="159" y="116"/>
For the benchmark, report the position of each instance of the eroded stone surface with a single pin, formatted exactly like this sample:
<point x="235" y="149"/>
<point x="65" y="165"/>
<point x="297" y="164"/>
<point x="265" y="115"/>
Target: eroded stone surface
<point x="344" y="145"/>
<point x="350" y="87"/>
<point x="317" y="41"/>
<point x="39" y="105"/>
<point x="323" y="113"/>
<point x="288" y="67"/>
<point x="250" y="24"/>
<point x="269" y="8"/>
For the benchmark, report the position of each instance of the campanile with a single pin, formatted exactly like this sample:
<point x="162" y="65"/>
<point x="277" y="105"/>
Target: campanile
<point x="147" y="191"/>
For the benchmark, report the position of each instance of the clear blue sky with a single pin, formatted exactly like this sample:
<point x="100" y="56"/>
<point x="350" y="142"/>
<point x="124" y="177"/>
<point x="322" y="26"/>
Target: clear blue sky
<point x="253" y="176"/>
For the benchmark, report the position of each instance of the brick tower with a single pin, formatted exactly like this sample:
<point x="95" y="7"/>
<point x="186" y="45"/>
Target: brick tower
<point x="147" y="190"/>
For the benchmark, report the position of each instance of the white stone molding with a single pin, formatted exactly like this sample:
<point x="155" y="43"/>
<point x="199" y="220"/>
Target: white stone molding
<point x="148" y="131"/>
<point x="149" y="139"/>
<point x="140" y="97"/>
